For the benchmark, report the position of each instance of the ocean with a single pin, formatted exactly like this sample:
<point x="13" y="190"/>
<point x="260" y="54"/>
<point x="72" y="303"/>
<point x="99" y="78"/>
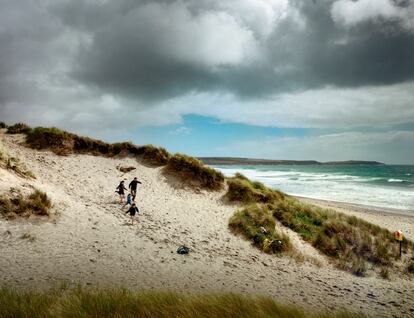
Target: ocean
<point x="383" y="186"/>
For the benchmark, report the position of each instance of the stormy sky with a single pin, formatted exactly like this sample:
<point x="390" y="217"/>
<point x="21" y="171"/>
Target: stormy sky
<point x="283" y="79"/>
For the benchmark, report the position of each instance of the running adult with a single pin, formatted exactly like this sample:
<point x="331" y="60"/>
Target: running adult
<point x="133" y="187"/>
<point x="121" y="191"/>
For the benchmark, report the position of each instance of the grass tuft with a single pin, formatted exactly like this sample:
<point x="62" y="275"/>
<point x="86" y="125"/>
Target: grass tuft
<point x="194" y="172"/>
<point x="77" y="302"/>
<point x="241" y="189"/>
<point x="37" y="203"/>
<point x="19" y="128"/>
<point x="256" y="223"/>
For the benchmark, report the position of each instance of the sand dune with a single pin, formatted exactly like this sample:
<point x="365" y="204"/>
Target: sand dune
<point x="89" y="241"/>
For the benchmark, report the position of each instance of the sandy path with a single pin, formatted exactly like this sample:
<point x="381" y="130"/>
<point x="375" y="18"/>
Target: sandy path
<point x="90" y="242"/>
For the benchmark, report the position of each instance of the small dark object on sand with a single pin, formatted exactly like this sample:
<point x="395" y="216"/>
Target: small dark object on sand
<point x="183" y="250"/>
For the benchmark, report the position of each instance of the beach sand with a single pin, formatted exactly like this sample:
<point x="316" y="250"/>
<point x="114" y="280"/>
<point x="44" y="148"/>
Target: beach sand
<point x="90" y="241"/>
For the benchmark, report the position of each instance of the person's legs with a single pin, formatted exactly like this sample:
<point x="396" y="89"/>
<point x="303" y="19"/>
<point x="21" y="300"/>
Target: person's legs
<point x="132" y="219"/>
<point x="133" y="193"/>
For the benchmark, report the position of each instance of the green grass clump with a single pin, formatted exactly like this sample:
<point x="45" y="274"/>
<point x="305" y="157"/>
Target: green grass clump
<point x="19" y="128"/>
<point x="37" y="203"/>
<point x="241" y="189"/>
<point x="256" y="223"/>
<point x="194" y="172"/>
<point x="77" y="302"/>
<point x="352" y="242"/>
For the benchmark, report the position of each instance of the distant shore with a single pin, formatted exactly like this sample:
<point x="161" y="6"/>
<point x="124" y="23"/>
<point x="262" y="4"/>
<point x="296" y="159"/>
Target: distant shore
<point x="251" y="161"/>
<point x="392" y="219"/>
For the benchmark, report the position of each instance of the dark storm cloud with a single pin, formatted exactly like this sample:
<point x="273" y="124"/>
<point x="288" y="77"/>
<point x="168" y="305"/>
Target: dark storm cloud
<point x="144" y="49"/>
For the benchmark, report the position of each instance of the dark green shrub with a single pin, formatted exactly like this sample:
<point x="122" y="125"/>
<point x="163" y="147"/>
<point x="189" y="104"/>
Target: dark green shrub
<point x="3" y="125"/>
<point x="19" y="128"/>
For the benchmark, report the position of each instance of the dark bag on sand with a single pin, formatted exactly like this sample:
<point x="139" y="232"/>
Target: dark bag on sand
<point x="183" y="250"/>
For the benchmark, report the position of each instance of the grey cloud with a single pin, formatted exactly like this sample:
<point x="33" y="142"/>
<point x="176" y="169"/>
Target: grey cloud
<point x="145" y="50"/>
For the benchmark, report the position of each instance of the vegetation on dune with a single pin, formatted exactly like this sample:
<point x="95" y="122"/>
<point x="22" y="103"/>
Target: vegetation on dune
<point x="194" y="172"/>
<point x="350" y="240"/>
<point x="256" y="223"/>
<point x="19" y="128"/>
<point x="77" y="302"/>
<point x="12" y="163"/>
<point x="2" y="125"/>
<point x="64" y="143"/>
<point x="241" y="189"/>
<point x="37" y="203"/>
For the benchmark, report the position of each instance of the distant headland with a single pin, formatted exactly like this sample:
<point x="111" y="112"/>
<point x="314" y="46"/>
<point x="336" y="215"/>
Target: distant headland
<point x="249" y="161"/>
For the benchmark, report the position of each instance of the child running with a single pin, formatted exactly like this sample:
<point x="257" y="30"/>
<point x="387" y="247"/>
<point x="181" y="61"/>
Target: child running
<point x="128" y="200"/>
<point x="132" y="210"/>
<point x="121" y="191"/>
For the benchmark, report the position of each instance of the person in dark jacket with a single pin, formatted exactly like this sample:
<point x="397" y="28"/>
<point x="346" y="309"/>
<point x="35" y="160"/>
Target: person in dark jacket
<point x="132" y="211"/>
<point x="121" y="191"/>
<point x="133" y="187"/>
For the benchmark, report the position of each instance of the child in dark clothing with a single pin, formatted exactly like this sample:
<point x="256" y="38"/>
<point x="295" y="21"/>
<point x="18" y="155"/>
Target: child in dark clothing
<point x="121" y="191"/>
<point x="132" y="210"/>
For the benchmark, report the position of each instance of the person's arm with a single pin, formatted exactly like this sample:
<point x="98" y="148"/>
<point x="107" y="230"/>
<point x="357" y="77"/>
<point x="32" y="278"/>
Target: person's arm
<point x="139" y="182"/>
<point x="129" y="187"/>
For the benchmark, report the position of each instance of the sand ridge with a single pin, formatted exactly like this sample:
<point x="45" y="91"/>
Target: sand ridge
<point x="90" y="242"/>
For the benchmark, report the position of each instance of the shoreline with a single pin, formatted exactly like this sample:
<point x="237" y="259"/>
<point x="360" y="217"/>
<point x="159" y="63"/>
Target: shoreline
<point x="359" y="207"/>
<point x="391" y="219"/>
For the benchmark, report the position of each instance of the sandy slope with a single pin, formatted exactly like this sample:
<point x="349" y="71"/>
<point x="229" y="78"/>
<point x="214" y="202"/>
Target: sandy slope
<point x="90" y="242"/>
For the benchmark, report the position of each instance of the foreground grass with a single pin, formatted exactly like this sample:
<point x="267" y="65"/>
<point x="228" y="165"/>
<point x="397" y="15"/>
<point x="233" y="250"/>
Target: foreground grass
<point x="36" y="203"/>
<point x="78" y="302"/>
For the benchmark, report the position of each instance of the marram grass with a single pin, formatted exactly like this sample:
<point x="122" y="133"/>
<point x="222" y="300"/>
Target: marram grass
<point x="78" y="302"/>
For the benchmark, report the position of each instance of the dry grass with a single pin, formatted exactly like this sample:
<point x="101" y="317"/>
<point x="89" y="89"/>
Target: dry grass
<point x="77" y="302"/>
<point x="37" y="203"/>
<point x="193" y="172"/>
<point x="11" y="163"/>
<point x="256" y="223"/>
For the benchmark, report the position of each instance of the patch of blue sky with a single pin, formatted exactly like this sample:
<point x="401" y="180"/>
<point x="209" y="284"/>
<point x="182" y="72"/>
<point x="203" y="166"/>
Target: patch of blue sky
<point x="203" y="136"/>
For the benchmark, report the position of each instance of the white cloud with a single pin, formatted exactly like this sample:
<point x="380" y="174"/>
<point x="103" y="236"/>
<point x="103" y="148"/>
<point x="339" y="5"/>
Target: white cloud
<point x="182" y="130"/>
<point x="348" y="13"/>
